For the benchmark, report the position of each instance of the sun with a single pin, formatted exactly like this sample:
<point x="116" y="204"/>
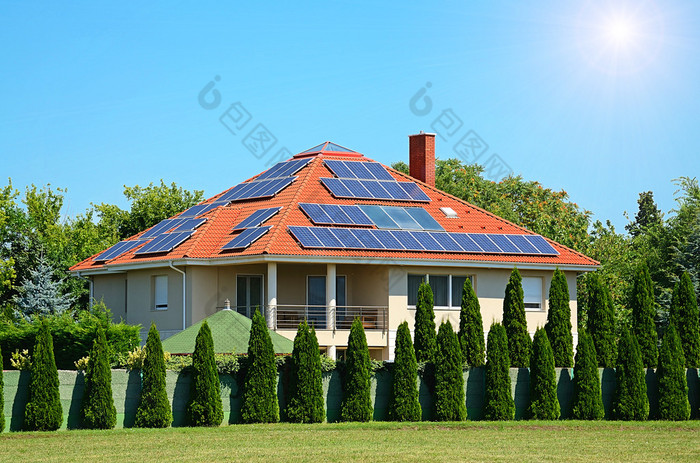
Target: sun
<point x="621" y="32"/>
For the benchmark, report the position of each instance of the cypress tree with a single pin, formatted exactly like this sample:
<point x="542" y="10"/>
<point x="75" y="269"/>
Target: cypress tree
<point x="260" y="384"/>
<point x="449" y="382"/>
<point x="471" y="327"/>
<point x="306" y="391"/>
<point x="154" y="408"/>
<point x="2" y="398"/>
<point x="356" y="404"/>
<point x="499" y="405"/>
<point x="684" y="316"/>
<point x="425" y="336"/>
<point x="630" y="400"/>
<point x="558" y="324"/>
<point x="519" y="342"/>
<point x="673" y="386"/>
<point x="404" y="404"/>
<point x="643" y="313"/>
<point x="97" y="410"/>
<point x="601" y="322"/>
<point x="204" y="407"/>
<point x="43" y="411"/>
<point x="588" y="401"/>
<point x="544" y="404"/>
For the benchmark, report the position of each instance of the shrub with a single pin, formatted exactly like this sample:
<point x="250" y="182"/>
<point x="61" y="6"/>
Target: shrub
<point x="471" y="327"/>
<point x="587" y="403"/>
<point x="630" y="401"/>
<point x="684" y="316"/>
<point x="2" y="400"/>
<point x="449" y="382"/>
<point x="643" y="313"/>
<point x="43" y="411"/>
<point x="97" y="410"/>
<point x="519" y="342"/>
<point x="498" y="401"/>
<point x="404" y="404"/>
<point x="154" y="409"/>
<point x="558" y="324"/>
<point x="306" y="404"/>
<point x="260" y="383"/>
<point x="356" y="404"/>
<point x="204" y="407"/>
<point x="673" y="386"/>
<point x="425" y="337"/>
<point x="601" y="322"/>
<point x="544" y="404"/>
<point x="21" y="360"/>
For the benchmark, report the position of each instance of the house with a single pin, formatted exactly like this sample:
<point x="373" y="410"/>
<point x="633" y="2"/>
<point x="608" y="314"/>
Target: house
<point x="327" y="236"/>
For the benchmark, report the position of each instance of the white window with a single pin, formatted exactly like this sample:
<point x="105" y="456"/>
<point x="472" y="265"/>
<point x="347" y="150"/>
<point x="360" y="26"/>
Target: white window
<point x="160" y="292"/>
<point x="532" y="289"/>
<point x="447" y="289"/>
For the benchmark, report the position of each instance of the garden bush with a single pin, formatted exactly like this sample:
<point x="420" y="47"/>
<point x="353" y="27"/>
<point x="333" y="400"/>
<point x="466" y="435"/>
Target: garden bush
<point x="97" y="410"/>
<point x="673" y="385"/>
<point x="43" y="411"/>
<point x="544" y="404"/>
<point x="449" y="381"/>
<point x="630" y="401"/>
<point x="425" y="336"/>
<point x="558" y="326"/>
<point x="356" y="404"/>
<point x="684" y="316"/>
<point x="643" y="313"/>
<point x="471" y="327"/>
<point x="204" y="407"/>
<point x="260" y="383"/>
<point x="2" y="399"/>
<point x="306" y="403"/>
<point x="154" y="408"/>
<point x="519" y="343"/>
<point x="601" y="322"/>
<point x="404" y="404"/>
<point x="498" y="401"/>
<point x="587" y="403"/>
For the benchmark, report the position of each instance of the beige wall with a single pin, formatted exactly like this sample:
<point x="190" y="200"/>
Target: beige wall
<point x="112" y="290"/>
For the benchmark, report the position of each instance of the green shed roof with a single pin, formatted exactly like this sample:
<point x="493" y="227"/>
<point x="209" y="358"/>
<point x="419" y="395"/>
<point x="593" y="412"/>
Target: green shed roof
<point x="230" y="331"/>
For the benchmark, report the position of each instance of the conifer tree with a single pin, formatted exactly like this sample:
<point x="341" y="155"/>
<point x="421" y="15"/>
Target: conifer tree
<point x="684" y="316"/>
<point x="404" y="404"/>
<point x="558" y="325"/>
<point x="260" y="384"/>
<point x="673" y="386"/>
<point x="43" y="411"/>
<point x="154" y="408"/>
<point x="450" y="404"/>
<point x="40" y="294"/>
<point x="98" y="410"/>
<point x="643" y="313"/>
<point x="630" y="400"/>
<point x="306" y="387"/>
<point x="601" y="322"/>
<point x="2" y="400"/>
<point x="471" y="327"/>
<point x="514" y="322"/>
<point x="544" y="404"/>
<point x="204" y="407"/>
<point x="425" y="336"/>
<point x="356" y="404"/>
<point x="499" y="405"/>
<point x="588" y="401"/>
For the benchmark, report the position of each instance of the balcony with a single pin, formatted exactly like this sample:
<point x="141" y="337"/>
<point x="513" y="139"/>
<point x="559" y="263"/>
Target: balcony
<point x="373" y="317"/>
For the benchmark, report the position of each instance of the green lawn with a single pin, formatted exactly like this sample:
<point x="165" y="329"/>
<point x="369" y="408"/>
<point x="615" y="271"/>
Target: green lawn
<point x="470" y="441"/>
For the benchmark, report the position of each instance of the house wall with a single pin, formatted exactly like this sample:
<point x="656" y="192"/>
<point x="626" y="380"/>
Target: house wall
<point x="140" y="301"/>
<point x="111" y="289"/>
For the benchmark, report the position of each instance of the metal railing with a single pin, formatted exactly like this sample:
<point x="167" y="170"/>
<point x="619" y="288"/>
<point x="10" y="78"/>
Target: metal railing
<point x="339" y="318"/>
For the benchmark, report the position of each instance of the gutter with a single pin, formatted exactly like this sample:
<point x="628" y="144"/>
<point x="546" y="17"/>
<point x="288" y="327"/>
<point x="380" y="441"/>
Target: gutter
<point x="184" y="293"/>
<point x="91" y="290"/>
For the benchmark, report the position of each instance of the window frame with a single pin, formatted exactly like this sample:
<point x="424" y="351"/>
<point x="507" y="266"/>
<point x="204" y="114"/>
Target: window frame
<point x="540" y="304"/>
<point x="155" y="306"/>
<point x="426" y="277"/>
<point x="249" y="309"/>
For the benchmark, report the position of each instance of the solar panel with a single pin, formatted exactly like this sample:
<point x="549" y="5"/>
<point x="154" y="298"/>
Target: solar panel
<point x="377" y="190"/>
<point x="257" y="218"/>
<point x="162" y="227"/>
<point x="359" y="170"/>
<point x="466" y="242"/>
<point x="484" y="243"/>
<point x="379" y="216"/>
<point x="200" y="209"/>
<point x="445" y="240"/>
<point x="387" y="239"/>
<point x="340" y="169"/>
<point x="337" y="215"/>
<point x="337" y="188"/>
<point x="189" y="224"/>
<point x="402" y="218"/>
<point x="523" y="244"/>
<point x="346" y="237"/>
<point x="118" y="249"/>
<point x="378" y="171"/>
<point x="327" y="238"/>
<point x="357" y="189"/>
<point x="414" y="191"/>
<point x="357" y="215"/>
<point x="284" y="169"/>
<point x="504" y="243"/>
<point x="407" y="240"/>
<point x="164" y="243"/>
<point x="367" y="238"/>
<point x="541" y="244"/>
<point x="426" y="221"/>
<point x="305" y="237"/>
<point x="395" y="190"/>
<point x="245" y="238"/>
<point x="316" y="213"/>
<point x="427" y="241"/>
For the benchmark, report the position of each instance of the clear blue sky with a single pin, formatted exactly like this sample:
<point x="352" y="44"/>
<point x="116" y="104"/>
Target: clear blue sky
<point x="601" y="99"/>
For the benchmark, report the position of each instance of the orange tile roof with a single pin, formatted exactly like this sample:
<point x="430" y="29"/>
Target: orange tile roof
<point x="208" y="239"/>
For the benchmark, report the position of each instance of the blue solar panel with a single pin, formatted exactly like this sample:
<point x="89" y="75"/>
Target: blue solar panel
<point x="388" y="240"/>
<point x="340" y="169"/>
<point x="395" y="190"/>
<point x="523" y="244"/>
<point x="284" y="169"/>
<point x="367" y="238"/>
<point x="337" y="188"/>
<point x="376" y="190"/>
<point x="118" y="249"/>
<point x="357" y="216"/>
<point x="445" y="240"/>
<point x="504" y="243"/>
<point x="379" y="216"/>
<point x="327" y="238"/>
<point x="407" y="240"/>
<point x="347" y="238"/>
<point x="189" y="224"/>
<point x="378" y="171"/>
<point x="357" y="189"/>
<point x="164" y="243"/>
<point x="426" y="221"/>
<point x="245" y="238"/>
<point x="337" y="215"/>
<point x="402" y="218"/>
<point x="427" y="241"/>
<point x="466" y="242"/>
<point x="316" y="213"/>
<point x="414" y="191"/>
<point x="485" y="243"/>
<point x="359" y="169"/>
<point x="542" y="245"/>
<point x="257" y="218"/>
<point x="162" y="227"/>
<point x="305" y="237"/>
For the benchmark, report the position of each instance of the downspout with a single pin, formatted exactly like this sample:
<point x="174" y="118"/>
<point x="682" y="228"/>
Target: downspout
<point x="91" y="290"/>
<point x="184" y="294"/>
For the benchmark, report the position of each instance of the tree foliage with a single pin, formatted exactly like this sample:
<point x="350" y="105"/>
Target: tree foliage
<point x="97" y="409"/>
<point x="673" y="385"/>
<point x="260" y="385"/>
<point x="471" y="327"/>
<point x="404" y="404"/>
<point x="356" y="404"/>
<point x="43" y="411"/>
<point x="630" y="401"/>
<point x="450" y="404"/>
<point x="643" y="313"/>
<point x="544" y="404"/>
<point x="685" y="316"/>
<point x="2" y="402"/>
<point x="41" y="295"/>
<point x="587" y="401"/>
<point x="601" y="322"/>
<point x="647" y="216"/>
<point x="425" y="336"/>
<point x="306" y="404"/>
<point x="519" y="342"/>
<point x="558" y="325"/>
<point x="204" y="407"/>
<point x="154" y="408"/>
<point x="498" y="401"/>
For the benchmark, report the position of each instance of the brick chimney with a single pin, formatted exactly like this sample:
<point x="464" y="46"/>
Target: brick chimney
<point x="421" y="162"/>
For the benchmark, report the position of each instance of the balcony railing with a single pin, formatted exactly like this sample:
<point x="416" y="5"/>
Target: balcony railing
<point x="341" y="318"/>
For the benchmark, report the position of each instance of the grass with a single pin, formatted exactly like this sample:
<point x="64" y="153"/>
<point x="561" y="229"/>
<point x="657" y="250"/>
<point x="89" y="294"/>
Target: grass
<point x="537" y="441"/>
